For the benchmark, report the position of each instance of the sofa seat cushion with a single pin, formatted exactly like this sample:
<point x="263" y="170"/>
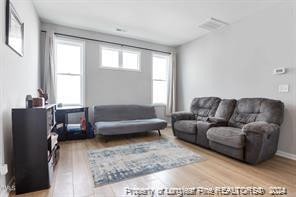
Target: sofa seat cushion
<point x="187" y="126"/>
<point x="229" y="136"/>
<point x="129" y="126"/>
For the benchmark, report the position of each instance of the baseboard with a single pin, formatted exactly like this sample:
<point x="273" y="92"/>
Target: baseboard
<point x="286" y="155"/>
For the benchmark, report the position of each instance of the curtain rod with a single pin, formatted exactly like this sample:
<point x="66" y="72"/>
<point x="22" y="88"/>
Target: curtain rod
<point x="103" y="41"/>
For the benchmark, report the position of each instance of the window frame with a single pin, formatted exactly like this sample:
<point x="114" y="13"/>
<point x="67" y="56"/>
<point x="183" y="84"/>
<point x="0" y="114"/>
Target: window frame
<point x="81" y="44"/>
<point x="167" y="79"/>
<point x="120" y="58"/>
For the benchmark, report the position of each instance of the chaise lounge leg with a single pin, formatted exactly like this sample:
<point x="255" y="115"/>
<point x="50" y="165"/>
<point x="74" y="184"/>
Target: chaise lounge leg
<point x="159" y="132"/>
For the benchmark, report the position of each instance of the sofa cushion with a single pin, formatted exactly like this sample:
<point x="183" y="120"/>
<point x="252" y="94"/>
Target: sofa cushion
<point x="129" y="126"/>
<point x="187" y="126"/>
<point x="250" y="110"/>
<point x="123" y="112"/>
<point x="228" y="136"/>
<point x="203" y="107"/>
<point x="237" y="153"/>
<point x="225" y="109"/>
<point x="188" y="137"/>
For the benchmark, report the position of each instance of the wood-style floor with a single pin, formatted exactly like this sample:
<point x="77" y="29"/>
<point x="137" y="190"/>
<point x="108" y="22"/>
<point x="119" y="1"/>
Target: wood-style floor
<point x="73" y="177"/>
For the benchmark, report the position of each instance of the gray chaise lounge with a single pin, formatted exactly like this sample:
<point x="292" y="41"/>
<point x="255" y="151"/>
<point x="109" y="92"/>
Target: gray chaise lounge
<point x="126" y="119"/>
<point x="246" y="129"/>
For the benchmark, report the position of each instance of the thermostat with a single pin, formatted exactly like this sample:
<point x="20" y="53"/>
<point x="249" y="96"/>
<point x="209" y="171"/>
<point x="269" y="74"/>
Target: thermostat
<point x="279" y="71"/>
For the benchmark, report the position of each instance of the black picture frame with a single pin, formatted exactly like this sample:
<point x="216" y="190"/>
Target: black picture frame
<point x="14" y="30"/>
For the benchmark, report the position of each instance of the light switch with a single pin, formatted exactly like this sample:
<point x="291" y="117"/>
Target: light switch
<point x="284" y="88"/>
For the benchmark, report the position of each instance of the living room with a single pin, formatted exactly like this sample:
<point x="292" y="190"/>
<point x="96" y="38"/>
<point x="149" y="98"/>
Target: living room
<point x="147" y="98"/>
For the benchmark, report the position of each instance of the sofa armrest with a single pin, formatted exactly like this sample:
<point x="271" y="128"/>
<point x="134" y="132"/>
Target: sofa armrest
<point x="261" y="141"/>
<point x="218" y="121"/>
<point x="176" y="116"/>
<point x="261" y="127"/>
<point x="183" y="116"/>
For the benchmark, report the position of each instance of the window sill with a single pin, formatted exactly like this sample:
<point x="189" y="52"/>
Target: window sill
<point x="159" y="104"/>
<point x="70" y="105"/>
<point x="119" y="69"/>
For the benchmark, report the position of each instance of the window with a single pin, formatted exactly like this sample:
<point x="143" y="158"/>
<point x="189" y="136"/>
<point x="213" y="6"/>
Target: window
<point x="160" y="78"/>
<point x="110" y="58"/>
<point x="69" y="71"/>
<point x="120" y="58"/>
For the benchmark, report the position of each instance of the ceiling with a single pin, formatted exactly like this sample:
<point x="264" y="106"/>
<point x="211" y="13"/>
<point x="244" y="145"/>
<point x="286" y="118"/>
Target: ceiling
<point x="168" y="22"/>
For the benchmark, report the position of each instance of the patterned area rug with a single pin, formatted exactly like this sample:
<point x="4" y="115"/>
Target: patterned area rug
<point x="119" y="163"/>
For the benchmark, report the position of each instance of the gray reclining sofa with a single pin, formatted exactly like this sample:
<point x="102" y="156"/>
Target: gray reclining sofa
<point x="126" y="119"/>
<point x="246" y="129"/>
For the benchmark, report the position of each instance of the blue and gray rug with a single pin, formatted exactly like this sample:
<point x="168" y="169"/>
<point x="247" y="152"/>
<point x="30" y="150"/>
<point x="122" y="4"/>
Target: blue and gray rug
<point x="119" y="163"/>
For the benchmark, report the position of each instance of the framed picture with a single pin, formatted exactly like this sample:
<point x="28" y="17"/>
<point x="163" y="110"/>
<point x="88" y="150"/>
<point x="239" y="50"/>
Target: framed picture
<point x="14" y="30"/>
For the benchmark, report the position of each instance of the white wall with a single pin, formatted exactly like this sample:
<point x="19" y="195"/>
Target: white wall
<point x="105" y="86"/>
<point x="19" y="76"/>
<point x="238" y="62"/>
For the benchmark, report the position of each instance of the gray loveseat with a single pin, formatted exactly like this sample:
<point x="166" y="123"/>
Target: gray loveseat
<point x="246" y="129"/>
<point x="126" y="119"/>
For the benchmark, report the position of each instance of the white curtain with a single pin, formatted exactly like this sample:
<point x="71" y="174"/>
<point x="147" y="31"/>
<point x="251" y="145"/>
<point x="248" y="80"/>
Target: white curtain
<point x="49" y="81"/>
<point x="171" y="102"/>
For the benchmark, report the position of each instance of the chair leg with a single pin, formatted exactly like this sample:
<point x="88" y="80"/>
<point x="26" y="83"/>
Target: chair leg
<point x="159" y="132"/>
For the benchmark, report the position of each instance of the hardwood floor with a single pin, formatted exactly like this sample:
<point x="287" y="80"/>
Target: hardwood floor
<point x="73" y="178"/>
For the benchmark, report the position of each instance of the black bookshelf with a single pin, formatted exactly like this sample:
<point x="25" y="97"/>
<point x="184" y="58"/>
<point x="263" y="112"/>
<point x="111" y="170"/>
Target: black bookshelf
<point x="34" y="154"/>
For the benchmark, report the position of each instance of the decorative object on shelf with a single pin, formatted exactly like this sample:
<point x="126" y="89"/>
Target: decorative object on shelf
<point x="29" y="101"/>
<point x="14" y="30"/>
<point x="83" y="123"/>
<point x="38" y="102"/>
<point x="43" y="94"/>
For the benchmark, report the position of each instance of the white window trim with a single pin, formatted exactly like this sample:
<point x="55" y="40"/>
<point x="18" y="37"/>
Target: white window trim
<point x="120" y="64"/>
<point x="80" y="43"/>
<point x="167" y="80"/>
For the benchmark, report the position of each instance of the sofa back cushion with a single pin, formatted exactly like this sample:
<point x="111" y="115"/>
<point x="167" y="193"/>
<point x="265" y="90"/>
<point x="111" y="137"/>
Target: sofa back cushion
<point x="257" y="109"/>
<point x="123" y="112"/>
<point x="204" y="107"/>
<point x="225" y="109"/>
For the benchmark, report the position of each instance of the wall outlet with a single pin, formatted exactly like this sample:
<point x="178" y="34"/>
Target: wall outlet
<point x="3" y="169"/>
<point x="284" y="88"/>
